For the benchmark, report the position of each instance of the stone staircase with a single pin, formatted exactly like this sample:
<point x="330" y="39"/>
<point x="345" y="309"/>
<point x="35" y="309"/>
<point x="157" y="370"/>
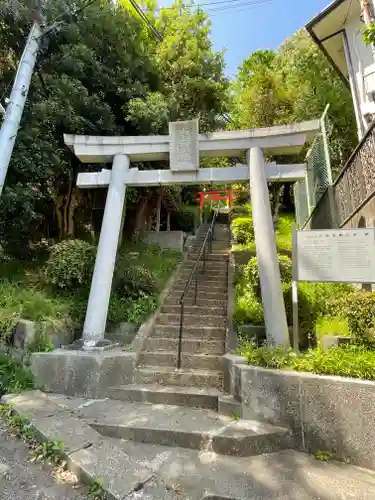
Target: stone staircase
<point x="191" y="406"/>
<point x="204" y="324"/>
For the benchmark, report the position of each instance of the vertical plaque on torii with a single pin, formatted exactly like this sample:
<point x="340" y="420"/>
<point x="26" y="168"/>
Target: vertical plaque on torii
<point x="184" y="145"/>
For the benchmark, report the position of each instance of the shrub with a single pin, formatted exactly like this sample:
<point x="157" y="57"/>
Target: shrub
<point x="307" y="315"/>
<point x="248" y="309"/>
<point x="14" y="377"/>
<point x="360" y="313"/>
<point x="127" y="310"/>
<point x="134" y="281"/>
<point x="243" y="230"/>
<point x="268" y="356"/>
<point x="241" y="210"/>
<point x="251" y="272"/>
<point x="70" y="264"/>
<point x="346" y="361"/>
<point x="188" y="218"/>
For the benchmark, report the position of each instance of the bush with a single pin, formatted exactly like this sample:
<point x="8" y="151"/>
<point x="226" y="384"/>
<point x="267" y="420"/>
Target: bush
<point x="360" y="313"/>
<point x="188" y="218"/>
<point x="243" y="230"/>
<point x="251" y="272"/>
<point x="14" y="377"/>
<point x="248" y="309"/>
<point x="241" y="210"/>
<point x="346" y="361"/>
<point x="134" y="281"/>
<point x="307" y="315"/>
<point x="70" y="264"/>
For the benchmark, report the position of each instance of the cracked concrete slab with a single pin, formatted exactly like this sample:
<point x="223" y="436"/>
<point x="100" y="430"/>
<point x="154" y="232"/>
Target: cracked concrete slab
<point x="138" y="471"/>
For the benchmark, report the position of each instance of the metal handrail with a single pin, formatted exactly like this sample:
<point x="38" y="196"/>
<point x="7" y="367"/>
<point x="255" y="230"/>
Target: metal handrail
<point x="208" y="239"/>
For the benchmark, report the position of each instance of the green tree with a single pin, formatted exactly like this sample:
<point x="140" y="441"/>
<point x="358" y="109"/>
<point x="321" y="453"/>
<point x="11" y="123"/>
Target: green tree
<point x="294" y="83"/>
<point x="95" y="63"/>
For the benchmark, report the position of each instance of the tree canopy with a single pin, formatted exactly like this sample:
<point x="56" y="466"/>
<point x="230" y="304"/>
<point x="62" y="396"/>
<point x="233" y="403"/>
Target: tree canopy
<point x="104" y="72"/>
<point x="291" y="84"/>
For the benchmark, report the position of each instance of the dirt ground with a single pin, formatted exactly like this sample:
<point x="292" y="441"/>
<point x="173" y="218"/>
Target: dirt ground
<point x="20" y="479"/>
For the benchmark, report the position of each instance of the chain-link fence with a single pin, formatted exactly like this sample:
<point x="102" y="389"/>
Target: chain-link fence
<point x="308" y="192"/>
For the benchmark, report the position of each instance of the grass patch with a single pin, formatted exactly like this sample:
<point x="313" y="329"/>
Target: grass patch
<point x="14" y="376"/>
<point x="26" y="293"/>
<point x="332" y="325"/>
<point x="351" y="360"/>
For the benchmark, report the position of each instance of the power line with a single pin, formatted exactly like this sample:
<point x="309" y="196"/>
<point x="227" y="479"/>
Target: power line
<point x="146" y="20"/>
<point x="74" y="13"/>
<point x="233" y="7"/>
<point x="230" y="2"/>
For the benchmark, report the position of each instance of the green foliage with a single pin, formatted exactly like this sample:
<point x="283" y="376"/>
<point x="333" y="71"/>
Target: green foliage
<point x="331" y="325"/>
<point x="268" y="356"/>
<point x="192" y="72"/>
<point x="243" y="230"/>
<point x="41" y="342"/>
<point x="95" y="490"/>
<point x="360" y="313"/>
<point x="18" y="302"/>
<point x="14" y="376"/>
<point x="346" y="361"/>
<point x="188" y="218"/>
<point x="251" y="272"/>
<point x="248" y="309"/>
<point x="134" y="281"/>
<point x="49" y="451"/>
<point x="369" y="34"/>
<point x="293" y="84"/>
<point x="70" y="264"/>
<point x="323" y="456"/>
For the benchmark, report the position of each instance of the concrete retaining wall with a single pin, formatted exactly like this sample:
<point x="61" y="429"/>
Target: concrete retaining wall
<point x="172" y="240"/>
<point x="80" y="373"/>
<point x="327" y="413"/>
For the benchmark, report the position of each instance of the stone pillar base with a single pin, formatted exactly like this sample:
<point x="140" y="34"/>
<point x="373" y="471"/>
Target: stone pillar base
<point x="82" y="373"/>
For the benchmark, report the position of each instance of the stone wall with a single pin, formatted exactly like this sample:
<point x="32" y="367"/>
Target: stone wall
<point x="172" y="240"/>
<point x="326" y="413"/>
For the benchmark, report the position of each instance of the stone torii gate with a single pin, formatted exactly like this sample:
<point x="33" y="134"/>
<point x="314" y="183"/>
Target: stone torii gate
<point x="183" y="147"/>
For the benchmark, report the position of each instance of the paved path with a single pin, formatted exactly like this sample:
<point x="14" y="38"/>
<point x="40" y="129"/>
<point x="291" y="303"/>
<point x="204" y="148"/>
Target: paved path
<point x="22" y="480"/>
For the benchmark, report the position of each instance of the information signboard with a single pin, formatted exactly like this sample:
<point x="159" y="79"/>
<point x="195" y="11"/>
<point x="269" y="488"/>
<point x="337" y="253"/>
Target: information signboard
<point x="335" y="255"/>
<point x="331" y="255"/>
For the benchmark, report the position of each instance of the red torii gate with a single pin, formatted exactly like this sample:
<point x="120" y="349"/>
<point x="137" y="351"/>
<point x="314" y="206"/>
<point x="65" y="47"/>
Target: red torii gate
<point x="215" y="195"/>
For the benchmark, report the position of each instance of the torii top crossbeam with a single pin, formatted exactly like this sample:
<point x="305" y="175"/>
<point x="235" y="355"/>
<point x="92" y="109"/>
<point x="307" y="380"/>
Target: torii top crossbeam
<point x="277" y="140"/>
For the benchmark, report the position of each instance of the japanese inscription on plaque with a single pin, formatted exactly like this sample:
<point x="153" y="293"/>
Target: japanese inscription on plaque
<point x="337" y="255"/>
<point x="184" y="149"/>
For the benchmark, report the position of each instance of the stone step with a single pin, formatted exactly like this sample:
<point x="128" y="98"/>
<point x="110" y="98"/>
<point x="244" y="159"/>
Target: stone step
<point x="196" y="310"/>
<point x="167" y="358"/>
<point x="191" y="428"/>
<point x="202" y="302"/>
<point x="208" y="275"/>
<point x="193" y="332"/>
<point x="189" y="345"/>
<point x="204" y="286"/>
<point x="211" y="266"/>
<point x="218" y="268"/>
<point x="203" y="293"/>
<point x="210" y="257"/>
<point x="165" y="395"/>
<point x="191" y="319"/>
<point x="228" y="405"/>
<point x="184" y="377"/>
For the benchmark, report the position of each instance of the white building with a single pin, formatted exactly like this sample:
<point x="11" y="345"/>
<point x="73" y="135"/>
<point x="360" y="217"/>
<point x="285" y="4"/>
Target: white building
<point x="337" y="31"/>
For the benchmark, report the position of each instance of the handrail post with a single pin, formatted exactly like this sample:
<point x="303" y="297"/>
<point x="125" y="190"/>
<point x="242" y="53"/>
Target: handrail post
<point x="196" y="290"/>
<point x="180" y="337"/>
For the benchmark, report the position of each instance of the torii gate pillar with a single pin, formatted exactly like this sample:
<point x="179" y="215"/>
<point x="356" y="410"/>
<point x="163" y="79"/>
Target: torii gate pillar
<point x="101" y="284"/>
<point x="269" y="271"/>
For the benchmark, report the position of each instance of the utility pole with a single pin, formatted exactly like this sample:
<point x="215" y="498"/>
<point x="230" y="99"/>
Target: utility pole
<point x="16" y="104"/>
